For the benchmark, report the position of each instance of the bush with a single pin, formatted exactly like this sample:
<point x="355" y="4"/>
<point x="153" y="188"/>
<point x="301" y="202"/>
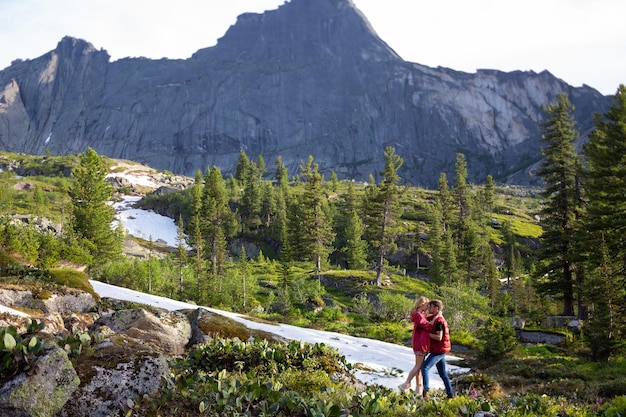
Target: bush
<point x="617" y="408"/>
<point x="389" y="332"/>
<point x="613" y="388"/>
<point x="497" y="338"/>
<point x="392" y="307"/>
<point x="73" y="279"/>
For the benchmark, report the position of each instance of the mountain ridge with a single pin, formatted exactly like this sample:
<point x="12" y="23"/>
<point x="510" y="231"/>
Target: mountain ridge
<point x="309" y="78"/>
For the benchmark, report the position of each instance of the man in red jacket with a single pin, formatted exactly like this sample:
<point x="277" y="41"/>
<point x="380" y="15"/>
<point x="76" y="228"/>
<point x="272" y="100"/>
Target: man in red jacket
<point x="439" y="346"/>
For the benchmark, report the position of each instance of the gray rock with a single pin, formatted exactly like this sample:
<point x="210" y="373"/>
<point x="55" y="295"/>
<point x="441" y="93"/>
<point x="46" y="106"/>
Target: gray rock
<point x="166" y="331"/>
<point x="517" y="323"/>
<point x="73" y="301"/>
<point x="42" y="392"/>
<point x="540" y="337"/>
<point x="120" y="370"/>
<point x="328" y="87"/>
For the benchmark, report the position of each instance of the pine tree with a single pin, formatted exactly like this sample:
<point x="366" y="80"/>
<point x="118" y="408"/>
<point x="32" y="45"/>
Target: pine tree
<point x="334" y="182"/>
<point x="356" y="247"/>
<point x="181" y="253"/>
<point x="243" y="167"/>
<point x="446" y="203"/>
<point x="559" y="171"/>
<point x="279" y="225"/>
<point x="194" y="237"/>
<point x="348" y="207"/>
<point x="384" y="211"/>
<point x="250" y="207"/>
<point x="488" y="195"/>
<point x="605" y="223"/>
<point x="444" y="267"/>
<point x="268" y="204"/>
<point x="316" y="226"/>
<point x="244" y="270"/>
<point x="281" y="174"/>
<point x="91" y="215"/>
<point x="216" y="217"/>
<point x="466" y="226"/>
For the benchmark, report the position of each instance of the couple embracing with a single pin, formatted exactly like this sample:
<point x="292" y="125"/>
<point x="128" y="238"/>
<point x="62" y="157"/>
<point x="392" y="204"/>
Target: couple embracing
<point x="431" y="342"/>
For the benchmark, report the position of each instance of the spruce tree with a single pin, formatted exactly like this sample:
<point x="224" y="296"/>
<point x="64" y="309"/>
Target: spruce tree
<point x="559" y="171"/>
<point x="355" y="248"/>
<point x="216" y="218"/>
<point x="91" y="213"/>
<point x="383" y="211"/>
<point x="181" y="253"/>
<point x="316" y="226"/>
<point x="605" y="225"/>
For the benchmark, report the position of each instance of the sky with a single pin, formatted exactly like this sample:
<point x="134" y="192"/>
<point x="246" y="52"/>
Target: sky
<point x="578" y="41"/>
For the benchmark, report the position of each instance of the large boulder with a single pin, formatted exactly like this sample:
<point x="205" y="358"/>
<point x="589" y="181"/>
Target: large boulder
<point x="167" y="332"/>
<point x="120" y="369"/>
<point x="206" y="325"/>
<point x="66" y="303"/>
<point x="42" y="391"/>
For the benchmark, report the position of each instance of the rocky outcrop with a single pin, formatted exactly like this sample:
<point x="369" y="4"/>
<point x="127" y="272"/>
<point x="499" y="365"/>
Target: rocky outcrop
<point x="42" y="392"/>
<point x="165" y="331"/>
<point x="121" y="369"/>
<point x="70" y="302"/>
<point x="310" y="78"/>
<point x="127" y="360"/>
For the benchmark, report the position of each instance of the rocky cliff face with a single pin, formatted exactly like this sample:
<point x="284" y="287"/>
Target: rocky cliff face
<point x="310" y="78"/>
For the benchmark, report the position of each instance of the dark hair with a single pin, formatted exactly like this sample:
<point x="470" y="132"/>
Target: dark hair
<point x="437" y="303"/>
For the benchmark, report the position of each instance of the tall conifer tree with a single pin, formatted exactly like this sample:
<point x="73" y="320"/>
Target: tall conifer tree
<point x="559" y="172"/>
<point x="384" y="211"/>
<point x="315" y="224"/>
<point x="216" y="218"/>
<point x="605" y="226"/>
<point x="91" y="213"/>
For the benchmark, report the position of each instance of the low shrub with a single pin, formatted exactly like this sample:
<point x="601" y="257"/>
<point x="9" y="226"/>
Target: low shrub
<point x="73" y="279"/>
<point x="389" y="332"/>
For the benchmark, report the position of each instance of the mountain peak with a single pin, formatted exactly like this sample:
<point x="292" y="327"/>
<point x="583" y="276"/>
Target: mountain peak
<point x="302" y="29"/>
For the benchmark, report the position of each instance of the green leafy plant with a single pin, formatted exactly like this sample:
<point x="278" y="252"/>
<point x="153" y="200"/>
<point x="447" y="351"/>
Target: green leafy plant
<point x="497" y="339"/>
<point x="18" y="352"/>
<point x="75" y="342"/>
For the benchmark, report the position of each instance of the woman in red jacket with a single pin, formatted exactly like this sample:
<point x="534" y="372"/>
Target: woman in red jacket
<point x="420" y="342"/>
<point x="439" y="346"/>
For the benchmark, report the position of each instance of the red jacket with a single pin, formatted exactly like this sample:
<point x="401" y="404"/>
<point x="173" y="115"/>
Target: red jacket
<point x="421" y="332"/>
<point x="442" y="346"/>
